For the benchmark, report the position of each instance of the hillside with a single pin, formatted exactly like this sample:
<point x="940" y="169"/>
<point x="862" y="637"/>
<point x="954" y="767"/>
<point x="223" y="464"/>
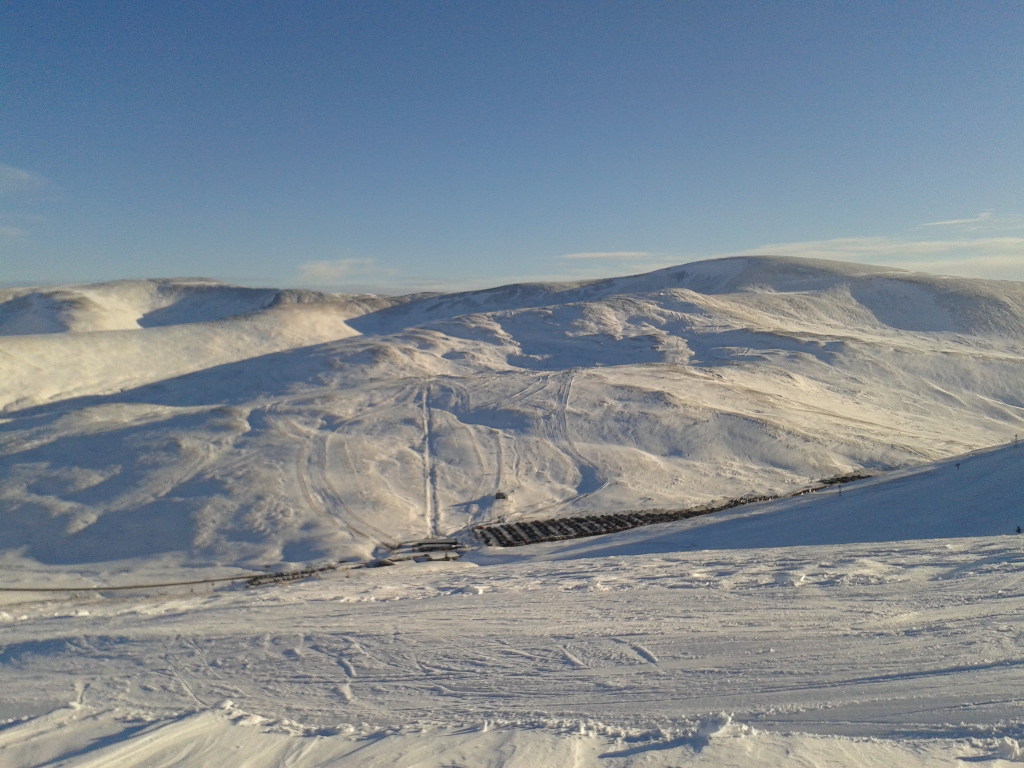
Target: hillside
<point x="972" y="495"/>
<point x="158" y="432"/>
<point x="714" y="641"/>
<point x="314" y="427"/>
<point x="59" y="343"/>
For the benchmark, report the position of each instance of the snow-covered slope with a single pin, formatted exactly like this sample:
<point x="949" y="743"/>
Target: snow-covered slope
<point x="878" y="627"/>
<point x="151" y="330"/>
<point x="978" y="494"/>
<point x="244" y="441"/>
<point x="891" y="297"/>
<point x="126" y="304"/>
<point x="626" y="650"/>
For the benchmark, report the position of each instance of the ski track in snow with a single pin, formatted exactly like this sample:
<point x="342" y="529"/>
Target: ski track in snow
<point x="909" y="643"/>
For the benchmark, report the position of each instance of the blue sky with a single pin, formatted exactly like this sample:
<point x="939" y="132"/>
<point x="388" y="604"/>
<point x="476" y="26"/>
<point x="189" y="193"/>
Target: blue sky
<point x="398" y="146"/>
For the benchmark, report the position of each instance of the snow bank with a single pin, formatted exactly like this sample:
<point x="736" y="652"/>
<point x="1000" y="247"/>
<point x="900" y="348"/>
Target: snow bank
<point x="233" y="738"/>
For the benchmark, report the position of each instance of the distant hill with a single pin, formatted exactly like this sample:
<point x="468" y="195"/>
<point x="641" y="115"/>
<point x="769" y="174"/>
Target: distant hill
<point x="213" y="424"/>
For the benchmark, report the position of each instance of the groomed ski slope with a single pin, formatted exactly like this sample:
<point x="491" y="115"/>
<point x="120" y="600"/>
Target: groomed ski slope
<point x="630" y="649"/>
<point x="879" y="627"/>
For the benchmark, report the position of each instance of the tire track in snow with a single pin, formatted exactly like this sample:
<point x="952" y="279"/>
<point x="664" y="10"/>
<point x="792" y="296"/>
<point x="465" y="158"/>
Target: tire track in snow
<point x="324" y="482"/>
<point x="461" y="399"/>
<point x="311" y="470"/>
<point x="295" y="433"/>
<point x="556" y="430"/>
<point x="584" y="467"/>
<point x="40" y="727"/>
<point x="499" y="463"/>
<point x="186" y="686"/>
<point x="194" y="456"/>
<point x="529" y="390"/>
<point x="492" y="471"/>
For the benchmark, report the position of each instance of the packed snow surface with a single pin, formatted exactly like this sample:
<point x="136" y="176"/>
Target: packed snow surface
<point x="162" y="431"/>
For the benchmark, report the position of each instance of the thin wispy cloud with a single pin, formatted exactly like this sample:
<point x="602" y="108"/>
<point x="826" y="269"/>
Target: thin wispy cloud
<point x="608" y="255"/>
<point x="366" y="276"/>
<point x="879" y="247"/>
<point x="983" y="218"/>
<point x="994" y="258"/>
<point x="990" y="267"/>
<point x="21" y="193"/>
<point x="16" y="182"/>
<point x="8" y="233"/>
<point x="337" y="272"/>
<point x="983" y="224"/>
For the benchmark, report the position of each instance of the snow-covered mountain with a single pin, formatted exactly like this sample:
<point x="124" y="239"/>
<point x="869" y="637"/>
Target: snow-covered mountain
<point x="212" y="424"/>
<point x="151" y="425"/>
<point x="711" y="641"/>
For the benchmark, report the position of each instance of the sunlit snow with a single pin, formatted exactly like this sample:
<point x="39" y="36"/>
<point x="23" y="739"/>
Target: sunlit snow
<point x="161" y="431"/>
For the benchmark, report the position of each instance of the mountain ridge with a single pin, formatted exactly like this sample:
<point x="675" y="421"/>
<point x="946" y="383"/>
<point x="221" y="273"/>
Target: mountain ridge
<point x="318" y="427"/>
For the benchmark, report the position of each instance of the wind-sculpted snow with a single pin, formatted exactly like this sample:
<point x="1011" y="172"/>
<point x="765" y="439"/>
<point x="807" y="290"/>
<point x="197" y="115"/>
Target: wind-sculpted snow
<point x="147" y="331"/>
<point x="124" y="305"/>
<point x="900" y="654"/>
<point x="134" y="304"/>
<point x="628" y="394"/>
